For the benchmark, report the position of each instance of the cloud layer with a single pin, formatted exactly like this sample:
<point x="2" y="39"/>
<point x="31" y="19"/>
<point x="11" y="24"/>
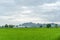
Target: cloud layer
<point x="37" y="11"/>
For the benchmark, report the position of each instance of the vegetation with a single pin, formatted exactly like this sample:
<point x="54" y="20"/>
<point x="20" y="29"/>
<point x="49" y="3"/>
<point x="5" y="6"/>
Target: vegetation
<point x="29" y="34"/>
<point x="56" y="25"/>
<point x="48" y="25"/>
<point x="7" y="26"/>
<point x="11" y="26"/>
<point x="41" y="26"/>
<point x="8" y="32"/>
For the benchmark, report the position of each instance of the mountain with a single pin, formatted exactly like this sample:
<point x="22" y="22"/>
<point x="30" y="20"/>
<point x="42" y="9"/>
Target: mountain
<point x="30" y="24"/>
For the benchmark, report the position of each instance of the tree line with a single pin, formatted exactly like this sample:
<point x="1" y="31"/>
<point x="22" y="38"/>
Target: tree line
<point x="7" y="26"/>
<point x="49" y="26"/>
<point x="12" y="26"/>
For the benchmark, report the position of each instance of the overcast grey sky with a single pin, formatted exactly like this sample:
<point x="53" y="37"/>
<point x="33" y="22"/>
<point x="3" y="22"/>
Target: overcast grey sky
<point x="37" y="11"/>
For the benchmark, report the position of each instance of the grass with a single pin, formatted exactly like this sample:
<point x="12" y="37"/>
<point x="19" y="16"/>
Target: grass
<point x="29" y="33"/>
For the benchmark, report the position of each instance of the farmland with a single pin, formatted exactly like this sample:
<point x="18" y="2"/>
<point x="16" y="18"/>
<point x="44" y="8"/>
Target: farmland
<point x="29" y="33"/>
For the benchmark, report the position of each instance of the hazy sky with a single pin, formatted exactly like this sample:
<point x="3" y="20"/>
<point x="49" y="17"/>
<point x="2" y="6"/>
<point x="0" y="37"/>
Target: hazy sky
<point x="37" y="11"/>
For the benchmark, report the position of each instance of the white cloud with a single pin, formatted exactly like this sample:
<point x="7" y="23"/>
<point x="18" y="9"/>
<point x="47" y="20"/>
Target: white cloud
<point x="29" y="11"/>
<point x="50" y="6"/>
<point x="24" y="7"/>
<point x="26" y="11"/>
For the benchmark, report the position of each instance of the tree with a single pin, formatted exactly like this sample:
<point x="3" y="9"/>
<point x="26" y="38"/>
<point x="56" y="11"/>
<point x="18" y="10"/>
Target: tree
<point x="2" y="26"/>
<point x="16" y="26"/>
<point x="48" y="25"/>
<point x="6" y="26"/>
<point x="11" y="26"/>
<point x="25" y="26"/>
<point x="56" y="25"/>
<point x="41" y="26"/>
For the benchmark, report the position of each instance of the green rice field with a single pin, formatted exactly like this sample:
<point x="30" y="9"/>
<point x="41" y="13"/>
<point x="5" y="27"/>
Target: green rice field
<point x="29" y="33"/>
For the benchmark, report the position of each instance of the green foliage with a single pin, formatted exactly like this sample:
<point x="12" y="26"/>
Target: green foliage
<point x="6" y="26"/>
<point x="48" y="25"/>
<point x="41" y="26"/>
<point x="11" y="26"/>
<point x="56" y="25"/>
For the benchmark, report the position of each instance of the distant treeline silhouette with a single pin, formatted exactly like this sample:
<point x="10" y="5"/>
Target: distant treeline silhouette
<point x="20" y="26"/>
